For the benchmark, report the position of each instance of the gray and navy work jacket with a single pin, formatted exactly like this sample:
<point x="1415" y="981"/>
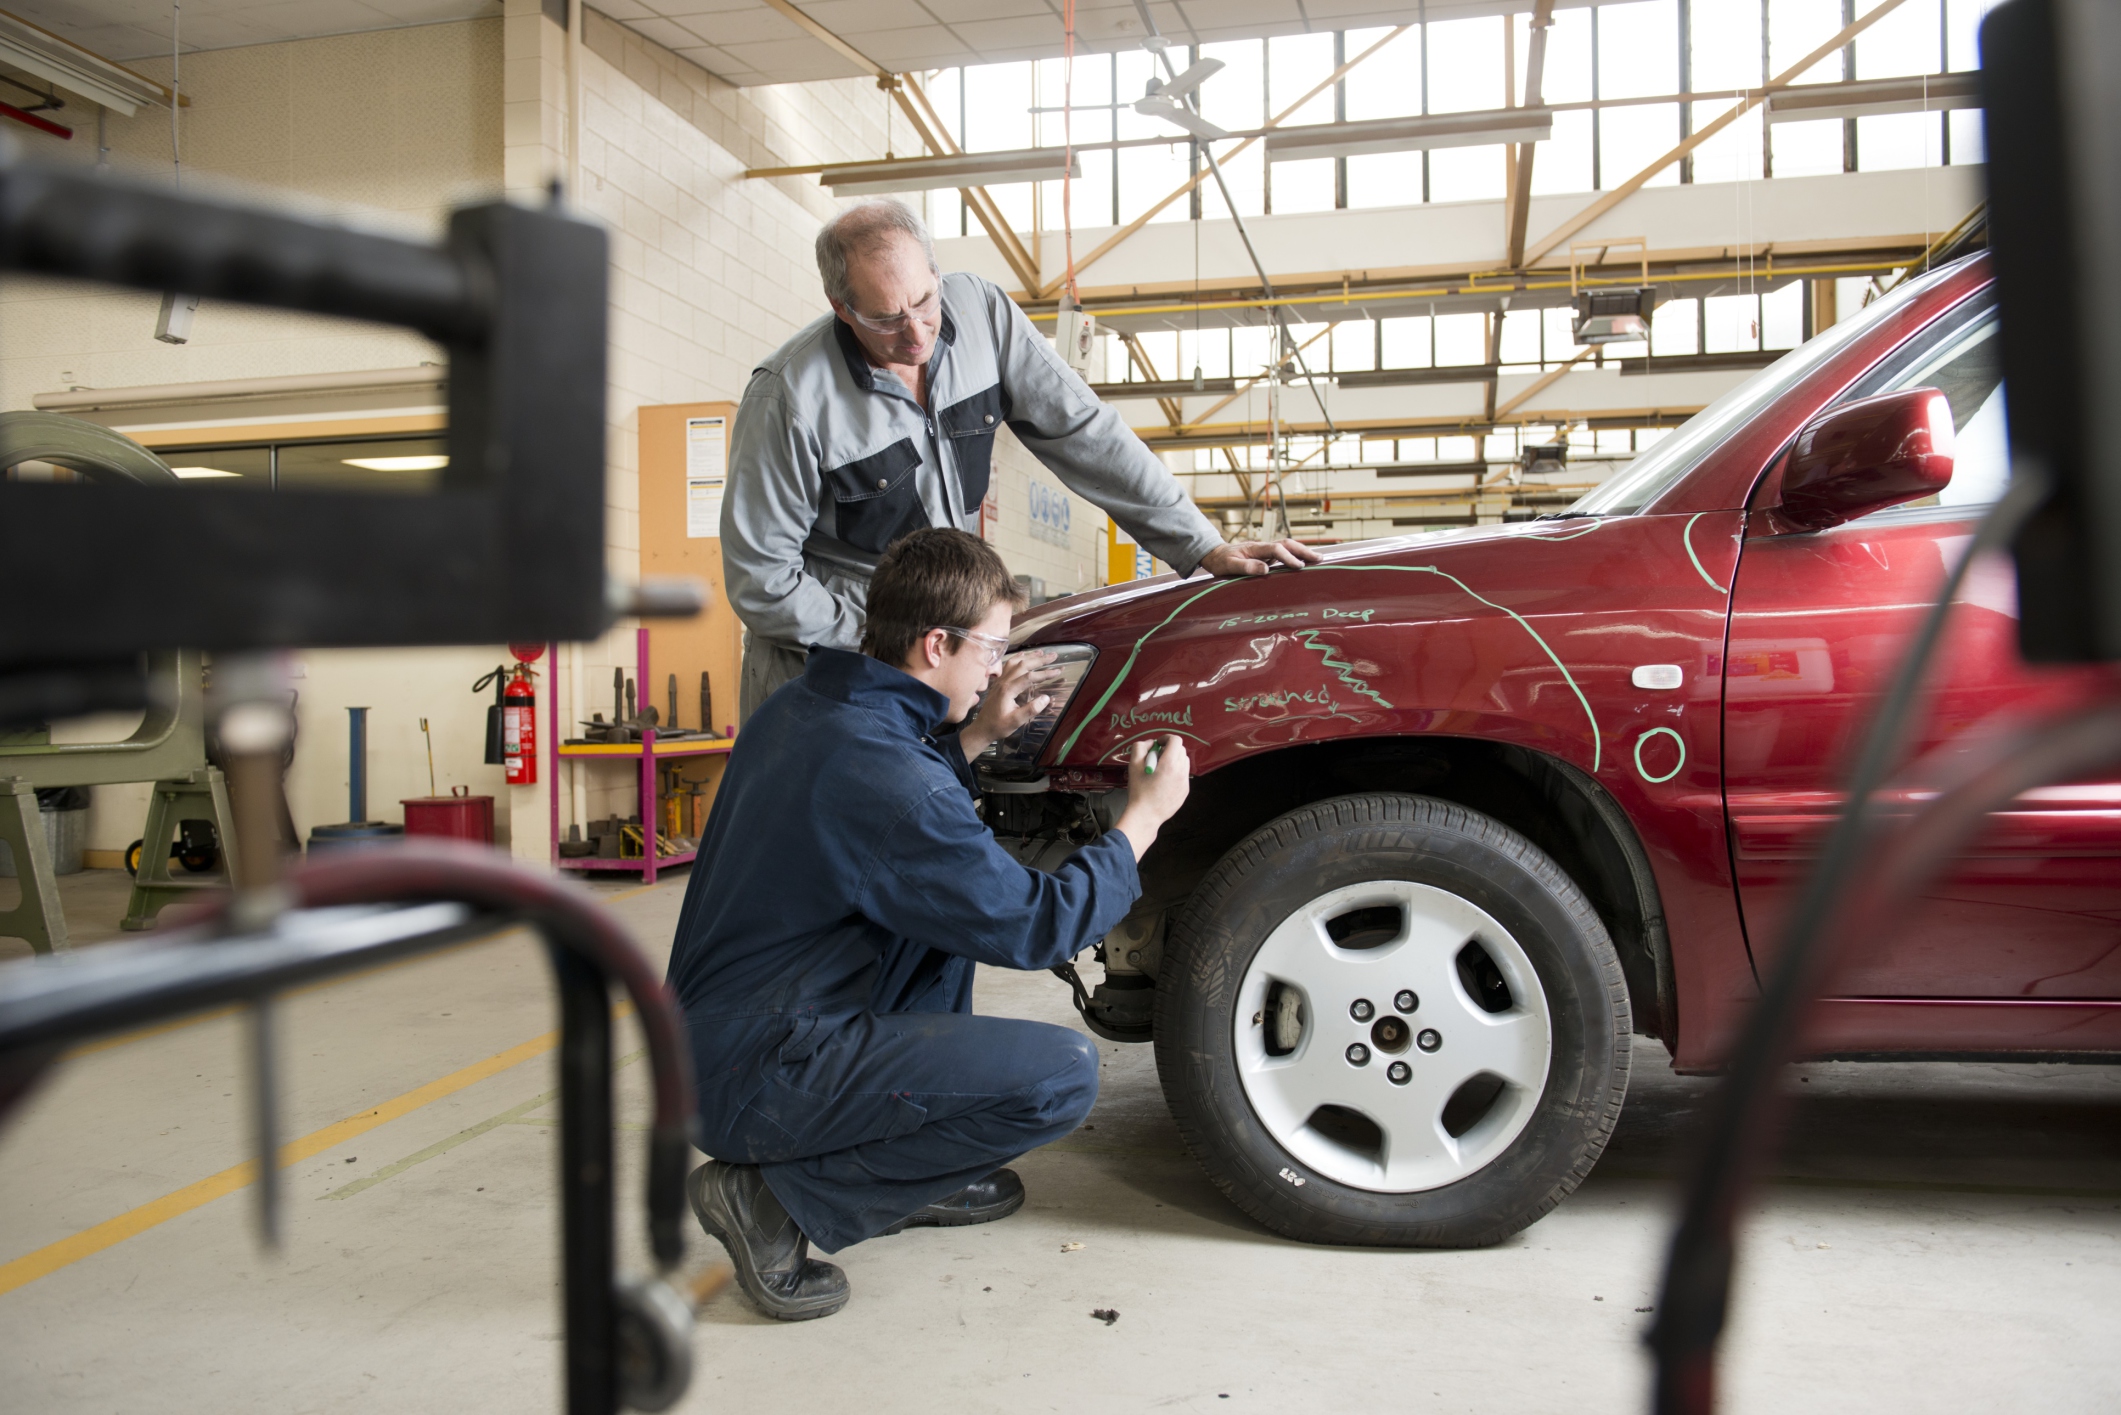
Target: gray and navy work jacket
<point x="831" y="460"/>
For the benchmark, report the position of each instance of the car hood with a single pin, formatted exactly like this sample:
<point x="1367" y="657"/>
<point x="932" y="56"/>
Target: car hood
<point x="1078" y="617"/>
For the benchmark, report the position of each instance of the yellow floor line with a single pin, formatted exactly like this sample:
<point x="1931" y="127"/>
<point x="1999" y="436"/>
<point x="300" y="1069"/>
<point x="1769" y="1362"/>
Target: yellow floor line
<point x="91" y="1241"/>
<point x="511" y="1116"/>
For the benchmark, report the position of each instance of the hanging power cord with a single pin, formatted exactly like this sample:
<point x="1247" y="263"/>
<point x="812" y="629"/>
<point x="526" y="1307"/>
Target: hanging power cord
<point x="1068" y="148"/>
<point x="1858" y="867"/>
<point x="1288" y="346"/>
<point x="173" y="322"/>
<point x="176" y="101"/>
<point x="1199" y="383"/>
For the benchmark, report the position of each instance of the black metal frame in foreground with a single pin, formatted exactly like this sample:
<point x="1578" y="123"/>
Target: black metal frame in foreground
<point x="456" y="894"/>
<point x="509" y="548"/>
<point x="2055" y="217"/>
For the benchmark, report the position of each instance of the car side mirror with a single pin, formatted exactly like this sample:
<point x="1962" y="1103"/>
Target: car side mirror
<point x="1867" y="455"/>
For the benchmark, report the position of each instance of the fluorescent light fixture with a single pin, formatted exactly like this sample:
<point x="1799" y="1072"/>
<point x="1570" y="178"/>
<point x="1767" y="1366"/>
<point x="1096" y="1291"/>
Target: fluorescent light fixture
<point x="969" y="169"/>
<point x="1480" y="128"/>
<point x="1868" y="98"/>
<point x="195" y="473"/>
<point x="75" y="69"/>
<point x="398" y="464"/>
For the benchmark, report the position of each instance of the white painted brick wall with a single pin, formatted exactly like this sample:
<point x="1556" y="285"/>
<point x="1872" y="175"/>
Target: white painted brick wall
<point x="711" y="271"/>
<point x="1078" y="565"/>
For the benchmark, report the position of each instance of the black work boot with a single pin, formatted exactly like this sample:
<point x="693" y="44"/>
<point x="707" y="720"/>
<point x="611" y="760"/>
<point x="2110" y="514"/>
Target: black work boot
<point x="999" y="1195"/>
<point x="772" y="1256"/>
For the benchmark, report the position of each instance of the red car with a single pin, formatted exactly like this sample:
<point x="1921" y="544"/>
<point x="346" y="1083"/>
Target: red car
<point x="1473" y="806"/>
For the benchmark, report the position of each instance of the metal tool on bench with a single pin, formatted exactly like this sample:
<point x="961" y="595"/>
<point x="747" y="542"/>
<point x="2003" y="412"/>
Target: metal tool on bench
<point x="509" y="548"/>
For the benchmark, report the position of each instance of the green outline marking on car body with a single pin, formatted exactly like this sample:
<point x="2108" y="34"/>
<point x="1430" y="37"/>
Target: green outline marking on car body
<point x="1687" y="535"/>
<point x="1597" y="738"/>
<point x="1344" y="669"/>
<point x="1144" y="736"/>
<point x="1643" y="740"/>
<point x="1124" y="669"/>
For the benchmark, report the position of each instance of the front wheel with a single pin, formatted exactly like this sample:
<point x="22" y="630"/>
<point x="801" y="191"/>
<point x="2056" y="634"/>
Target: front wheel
<point x="1389" y="1020"/>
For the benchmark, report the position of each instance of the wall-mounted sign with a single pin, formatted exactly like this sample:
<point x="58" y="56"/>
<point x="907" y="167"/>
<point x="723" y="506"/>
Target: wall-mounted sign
<point x="706" y="467"/>
<point x="1049" y="513"/>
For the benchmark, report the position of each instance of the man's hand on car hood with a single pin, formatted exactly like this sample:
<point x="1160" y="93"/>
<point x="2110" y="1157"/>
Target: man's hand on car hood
<point x="1238" y="558"/>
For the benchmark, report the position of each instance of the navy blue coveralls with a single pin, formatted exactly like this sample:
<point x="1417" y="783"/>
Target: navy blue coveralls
<point x="824" y="958"/>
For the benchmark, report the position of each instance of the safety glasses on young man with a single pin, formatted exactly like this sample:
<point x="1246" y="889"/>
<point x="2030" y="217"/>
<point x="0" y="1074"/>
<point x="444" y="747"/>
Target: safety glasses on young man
<point x="892" y="324"/>
<point x="992" y="647"/>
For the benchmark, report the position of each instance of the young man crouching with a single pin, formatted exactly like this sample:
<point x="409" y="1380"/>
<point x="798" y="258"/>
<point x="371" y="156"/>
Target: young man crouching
<point x="824" y="957"/>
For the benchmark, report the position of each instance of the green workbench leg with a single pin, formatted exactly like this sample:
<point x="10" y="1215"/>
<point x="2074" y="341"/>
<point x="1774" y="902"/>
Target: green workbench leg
<point x="37" y="917"/>
<point x="202" y="795"/>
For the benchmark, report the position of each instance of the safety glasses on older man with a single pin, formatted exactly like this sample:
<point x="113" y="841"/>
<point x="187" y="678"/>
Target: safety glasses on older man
<point x="991" y="646"/>
<point x="892" y="324"/>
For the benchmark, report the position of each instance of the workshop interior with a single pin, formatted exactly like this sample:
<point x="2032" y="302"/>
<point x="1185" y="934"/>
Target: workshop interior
<point x="1639" y="923"/>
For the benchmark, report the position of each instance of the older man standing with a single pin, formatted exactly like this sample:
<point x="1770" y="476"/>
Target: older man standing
<point x="880" y="419"/>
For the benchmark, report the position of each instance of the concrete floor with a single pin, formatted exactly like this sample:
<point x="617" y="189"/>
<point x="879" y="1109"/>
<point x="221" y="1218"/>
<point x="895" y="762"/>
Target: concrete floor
<point x="1944" y="1237"/>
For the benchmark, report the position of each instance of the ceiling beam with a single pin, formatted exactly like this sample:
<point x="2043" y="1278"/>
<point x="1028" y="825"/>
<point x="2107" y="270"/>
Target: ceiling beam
<point x="1746" y="101"/>
<point x="1257" y="434"/>
<point x="1949" y="87"/>
<point x="1519" y="206"/>
<point x="1450" y="497"/>
<point x="1330" y="288"/>
<point x="1539" y="385"/>
<point x="1249" y="384"/>
<point x="1120" y="237"/>
<point x="907" y="93"/>
<point x="912" y="99"/>
<point x="830" y="40"/>
<point x="1173" y="408"/>
<point x="1173" y="414"/>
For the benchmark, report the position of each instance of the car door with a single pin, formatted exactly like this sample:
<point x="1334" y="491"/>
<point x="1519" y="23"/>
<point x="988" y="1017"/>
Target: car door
<point x="1819" y="623"/>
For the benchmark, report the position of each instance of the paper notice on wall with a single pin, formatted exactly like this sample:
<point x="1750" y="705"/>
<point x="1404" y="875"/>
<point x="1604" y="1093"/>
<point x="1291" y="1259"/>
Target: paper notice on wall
<point x="706" y="468"/>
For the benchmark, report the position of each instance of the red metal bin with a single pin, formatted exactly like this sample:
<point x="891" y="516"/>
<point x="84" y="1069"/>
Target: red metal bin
<point x="457" y="816"/>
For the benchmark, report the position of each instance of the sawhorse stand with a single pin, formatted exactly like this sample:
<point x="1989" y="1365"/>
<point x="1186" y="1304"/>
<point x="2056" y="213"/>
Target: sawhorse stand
<point x="201" y="796"/>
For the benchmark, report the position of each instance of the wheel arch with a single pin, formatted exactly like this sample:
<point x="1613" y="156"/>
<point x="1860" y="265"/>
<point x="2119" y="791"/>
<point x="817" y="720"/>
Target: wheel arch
<point x="1555" y="805"/>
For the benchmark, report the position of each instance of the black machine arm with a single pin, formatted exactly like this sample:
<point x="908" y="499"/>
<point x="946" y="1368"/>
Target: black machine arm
<point x="66" y="222"/>
<point x="509" y="547"/>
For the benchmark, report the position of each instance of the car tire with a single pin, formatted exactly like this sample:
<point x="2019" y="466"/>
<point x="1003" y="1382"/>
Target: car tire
<point x="1369" y="895"/>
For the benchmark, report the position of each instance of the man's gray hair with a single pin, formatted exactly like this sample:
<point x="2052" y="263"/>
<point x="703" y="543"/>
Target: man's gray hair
<point x="860" y="229"/>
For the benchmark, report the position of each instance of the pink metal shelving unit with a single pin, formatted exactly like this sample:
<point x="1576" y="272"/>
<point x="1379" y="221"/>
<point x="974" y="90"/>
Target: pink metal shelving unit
<point x="647" y="751"/>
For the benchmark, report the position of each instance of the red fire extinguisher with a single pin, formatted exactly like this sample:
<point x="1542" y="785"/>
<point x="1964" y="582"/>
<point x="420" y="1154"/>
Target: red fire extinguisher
<point x="519" y="719"/>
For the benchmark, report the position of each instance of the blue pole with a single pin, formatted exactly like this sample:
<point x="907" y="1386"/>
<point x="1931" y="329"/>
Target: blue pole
<point x="357" y="775"/>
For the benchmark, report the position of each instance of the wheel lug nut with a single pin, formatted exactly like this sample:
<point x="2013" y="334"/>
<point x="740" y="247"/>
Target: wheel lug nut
<point x="1361" y="1009"/>
<point x="1399" y="1073"/>
<point x="1429" y="1039"/>
<point x="1405" y="1000"/>
<point x="1358" y="1055"/>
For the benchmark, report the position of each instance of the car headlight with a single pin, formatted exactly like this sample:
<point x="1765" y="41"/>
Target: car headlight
<point x="1016" y="756"/>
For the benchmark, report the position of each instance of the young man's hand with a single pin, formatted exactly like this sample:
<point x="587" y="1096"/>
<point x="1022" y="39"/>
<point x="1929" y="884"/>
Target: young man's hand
<point x="1158" y="779"/>
<point x="1012" y="700"/>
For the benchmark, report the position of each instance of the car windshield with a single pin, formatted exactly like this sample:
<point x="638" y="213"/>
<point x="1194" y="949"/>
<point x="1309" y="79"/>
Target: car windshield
<point x="1641" y="481"/>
